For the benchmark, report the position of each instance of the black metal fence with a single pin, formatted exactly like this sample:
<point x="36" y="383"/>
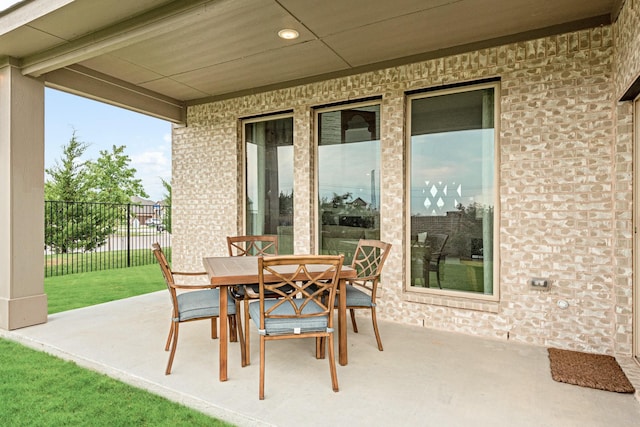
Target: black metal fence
<point x="82" y="237"/>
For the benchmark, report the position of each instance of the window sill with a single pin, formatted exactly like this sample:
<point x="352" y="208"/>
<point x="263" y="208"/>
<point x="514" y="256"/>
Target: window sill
<point x="451" y="301"/>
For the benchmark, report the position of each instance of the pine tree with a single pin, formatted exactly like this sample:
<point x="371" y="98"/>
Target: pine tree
<point x="166" y="220"/>
<point x="71" y="223"/>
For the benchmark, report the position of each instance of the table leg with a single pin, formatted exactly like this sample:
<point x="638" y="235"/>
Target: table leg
<point x="224" y="328"/>
<point x="342" y="322"/>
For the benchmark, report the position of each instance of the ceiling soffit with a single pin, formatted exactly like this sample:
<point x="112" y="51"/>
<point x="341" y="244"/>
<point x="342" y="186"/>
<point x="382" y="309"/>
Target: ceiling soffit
<point x="194" y="51"/>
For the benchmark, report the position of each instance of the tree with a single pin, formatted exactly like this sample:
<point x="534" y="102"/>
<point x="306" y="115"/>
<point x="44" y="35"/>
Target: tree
<point x="112" y="180"/>
<point x="339" y="200"/>
<point x="69" y="179"/>
<point x="166" y="220"/>
<point x="71" y="223"/>
<point x="468" y="236"/>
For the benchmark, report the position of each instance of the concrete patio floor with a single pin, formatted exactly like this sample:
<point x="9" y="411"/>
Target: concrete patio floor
<point x="423" y="377"/>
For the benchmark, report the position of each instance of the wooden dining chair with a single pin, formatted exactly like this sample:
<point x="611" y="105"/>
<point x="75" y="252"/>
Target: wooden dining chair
<point x="193" y="302"/>
<point x="361" y="292"/>
<point x="307" y="312"/>
<point x="249" y="246"/>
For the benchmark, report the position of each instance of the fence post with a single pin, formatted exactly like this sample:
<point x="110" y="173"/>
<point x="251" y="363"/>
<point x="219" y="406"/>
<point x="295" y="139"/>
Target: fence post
<point x="128" y="234"/>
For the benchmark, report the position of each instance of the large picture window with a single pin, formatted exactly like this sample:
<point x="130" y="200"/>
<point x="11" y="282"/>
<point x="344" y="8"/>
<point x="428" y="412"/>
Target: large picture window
<point x="452" y="190"/>
<point x="269" y="179"/>
<point x="348" y="166"/>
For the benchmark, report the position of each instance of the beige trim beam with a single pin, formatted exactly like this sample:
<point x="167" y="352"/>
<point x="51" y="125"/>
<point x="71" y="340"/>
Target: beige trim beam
<point x="85" y="82"/>
<point x="22" y="14"/>
<point x="142" y="27"/>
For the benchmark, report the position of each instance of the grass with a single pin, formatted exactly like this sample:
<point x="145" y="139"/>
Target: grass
<point x="459" y="277"/>
<point x="462" y="277"/>
<point x="38" y="389"/>
<point x="84" y="289"/>
<point x="62" y="264"/>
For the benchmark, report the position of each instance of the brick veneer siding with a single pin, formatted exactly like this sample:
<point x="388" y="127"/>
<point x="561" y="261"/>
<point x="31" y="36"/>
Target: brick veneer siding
<point x="627" y="40"/>
<point x="626" y="62"/>
<point x="565" y="186"/>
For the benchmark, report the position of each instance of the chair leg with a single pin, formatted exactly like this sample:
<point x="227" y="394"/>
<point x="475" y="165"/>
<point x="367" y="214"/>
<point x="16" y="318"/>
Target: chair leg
<point x="375" y="327"/>
<point x="233" y="329"/>
<point x="319" y="348"/>
<point x="173" y="348"/>
<point x="261" y="391"/>
<point x="243" y="356"/>
<point x="438" y="275"/>
<point x="247" y="336"/>
<point x="166" y="347"/>
<point x="214" y="328"/>
<point x="332" y="364"/>
<point x="353" y="320"/>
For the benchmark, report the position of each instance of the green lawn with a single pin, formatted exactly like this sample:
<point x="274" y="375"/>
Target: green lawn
<point x="37" y="389"/>
<point x="83" y="289"/>
<point x="461" y="276"/>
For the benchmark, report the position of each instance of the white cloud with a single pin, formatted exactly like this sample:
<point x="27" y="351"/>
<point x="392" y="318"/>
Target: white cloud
<point x="150" y="158"/>
<point x="151" y="166"/>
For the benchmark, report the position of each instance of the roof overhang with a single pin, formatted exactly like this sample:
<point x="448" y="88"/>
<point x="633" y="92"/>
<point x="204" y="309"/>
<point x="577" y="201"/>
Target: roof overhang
<point x="158" y="56"/>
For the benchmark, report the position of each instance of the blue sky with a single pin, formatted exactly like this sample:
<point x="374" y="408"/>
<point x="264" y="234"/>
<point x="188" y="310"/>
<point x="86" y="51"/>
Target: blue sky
<point x="147" y="139"/>
<point x="6" y="4"/>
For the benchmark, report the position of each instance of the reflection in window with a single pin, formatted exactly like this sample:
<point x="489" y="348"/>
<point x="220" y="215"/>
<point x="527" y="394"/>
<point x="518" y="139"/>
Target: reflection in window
<point x="452" y="190"/>
<point x="269" y="180"/>
<point x="348" y="178"/>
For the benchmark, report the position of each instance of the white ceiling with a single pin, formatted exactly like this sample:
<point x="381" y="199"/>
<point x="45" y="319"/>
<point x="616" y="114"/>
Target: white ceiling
<point x="188" y="51"/>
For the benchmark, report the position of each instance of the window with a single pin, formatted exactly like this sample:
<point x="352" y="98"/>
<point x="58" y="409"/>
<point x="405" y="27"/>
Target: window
<point x="269" y="179"/>
<point x="348" y="166"/>
<point x="452" y="191"/>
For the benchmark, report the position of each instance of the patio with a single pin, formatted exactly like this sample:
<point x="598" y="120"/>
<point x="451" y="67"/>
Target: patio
<point x="424" y="377"/>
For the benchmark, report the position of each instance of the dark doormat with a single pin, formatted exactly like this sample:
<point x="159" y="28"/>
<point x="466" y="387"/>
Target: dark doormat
<point x="588" y="370"/>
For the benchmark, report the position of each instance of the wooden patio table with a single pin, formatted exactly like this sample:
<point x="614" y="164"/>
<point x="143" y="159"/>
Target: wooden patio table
<point x="243" y="270"/>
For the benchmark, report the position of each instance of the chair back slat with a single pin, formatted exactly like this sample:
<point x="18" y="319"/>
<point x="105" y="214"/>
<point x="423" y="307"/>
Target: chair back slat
<point x="168" y="276"/>
<point x="252" y="245"/>
<point x="164" y="265"/>
<point x="369" y="258"/>
<point x="313" y="278"/>
<point x="368" y="261"/>
<point x="437" y="243"/>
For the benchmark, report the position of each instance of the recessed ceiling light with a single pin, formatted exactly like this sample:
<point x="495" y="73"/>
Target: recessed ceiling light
<point x="288" y="34"/>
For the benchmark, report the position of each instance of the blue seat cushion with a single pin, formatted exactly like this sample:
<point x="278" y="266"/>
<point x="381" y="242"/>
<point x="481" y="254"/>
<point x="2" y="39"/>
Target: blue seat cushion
<point x="277" y="326"/>
<point x="201" y="303"/>
<point x="356" y="297"/>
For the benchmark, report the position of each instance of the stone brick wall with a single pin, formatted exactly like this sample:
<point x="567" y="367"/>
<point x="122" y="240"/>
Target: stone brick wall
<point x="627" y="39"/>
<point x="626" y="71"/>
<point x="564" y="210"/>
